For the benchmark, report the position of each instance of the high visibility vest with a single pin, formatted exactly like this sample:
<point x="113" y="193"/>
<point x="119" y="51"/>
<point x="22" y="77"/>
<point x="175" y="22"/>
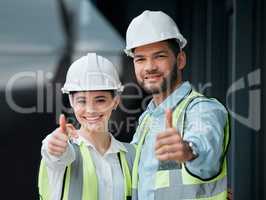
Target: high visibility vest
<point x="80" y="179"/>
<point x="176" y="183"/>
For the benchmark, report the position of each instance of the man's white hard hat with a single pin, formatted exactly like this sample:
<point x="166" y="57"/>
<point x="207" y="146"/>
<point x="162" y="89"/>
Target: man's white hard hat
<point x="151" y="27"/>
<point x="90" y="73"/>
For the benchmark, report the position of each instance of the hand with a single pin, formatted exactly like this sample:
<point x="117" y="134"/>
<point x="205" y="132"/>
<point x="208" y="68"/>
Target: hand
<point x="170" y="145"/>
<point x="229" y="194"/>
<point x="58" y="141"/>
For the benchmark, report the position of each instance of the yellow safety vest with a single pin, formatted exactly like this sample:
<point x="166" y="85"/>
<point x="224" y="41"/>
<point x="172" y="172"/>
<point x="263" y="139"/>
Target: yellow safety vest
<point x="179" y="183"/>
<point x="80" y="181"/>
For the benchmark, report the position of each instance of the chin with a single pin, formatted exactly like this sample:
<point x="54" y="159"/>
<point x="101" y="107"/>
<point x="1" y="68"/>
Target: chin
<point x="152" y="90"/>
<point x="97" y="127"/>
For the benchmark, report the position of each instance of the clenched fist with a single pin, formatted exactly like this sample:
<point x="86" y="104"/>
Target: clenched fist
<point x="58" y="140"/>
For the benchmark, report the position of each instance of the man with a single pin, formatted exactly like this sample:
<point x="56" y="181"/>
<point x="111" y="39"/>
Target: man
<point x="182" y="137"/>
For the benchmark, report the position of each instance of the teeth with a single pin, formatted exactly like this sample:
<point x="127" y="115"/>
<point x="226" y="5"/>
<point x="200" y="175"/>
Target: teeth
<point x="92" y="118"/>
<point x="152" y="76"/>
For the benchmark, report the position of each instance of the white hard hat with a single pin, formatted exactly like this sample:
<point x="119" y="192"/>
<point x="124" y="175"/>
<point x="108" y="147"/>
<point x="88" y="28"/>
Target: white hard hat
<point x="150" y="27"/>
<point x="92" y="72"/>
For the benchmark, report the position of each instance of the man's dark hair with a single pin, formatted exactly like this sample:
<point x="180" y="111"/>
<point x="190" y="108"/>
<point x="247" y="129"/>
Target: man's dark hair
<point x="174" y="46"/>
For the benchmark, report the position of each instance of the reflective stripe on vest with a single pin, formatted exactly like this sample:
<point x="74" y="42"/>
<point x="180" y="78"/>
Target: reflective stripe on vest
<point x="79" y="188"/>
<point x="177" y="183"/>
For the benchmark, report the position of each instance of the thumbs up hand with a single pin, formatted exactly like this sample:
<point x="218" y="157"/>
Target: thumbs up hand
<point x="170" y="145"/>
<point x="58" y="140"/>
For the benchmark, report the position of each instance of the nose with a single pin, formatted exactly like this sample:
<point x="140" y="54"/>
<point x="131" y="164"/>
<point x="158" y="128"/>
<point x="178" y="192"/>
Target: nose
<point x="150" y="65"/>
<point x="90" y="108"/>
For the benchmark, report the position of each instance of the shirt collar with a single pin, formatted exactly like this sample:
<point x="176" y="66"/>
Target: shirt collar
<point x="115" y="145"/>
<point x="172" y="100"/>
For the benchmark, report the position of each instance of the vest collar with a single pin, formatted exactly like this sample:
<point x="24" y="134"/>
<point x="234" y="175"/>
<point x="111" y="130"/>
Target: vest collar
<point x="172" y="100"/>
<point x="115" y="145"/>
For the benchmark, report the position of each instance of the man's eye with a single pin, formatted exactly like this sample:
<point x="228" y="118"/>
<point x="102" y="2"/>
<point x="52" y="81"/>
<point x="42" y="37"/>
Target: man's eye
<point x="139" y="60"/>
<point x="100" y="100"/>
<point x="161" y="56"/>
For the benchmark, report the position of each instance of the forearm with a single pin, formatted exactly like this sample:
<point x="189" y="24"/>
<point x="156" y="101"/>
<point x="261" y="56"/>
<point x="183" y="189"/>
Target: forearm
<point x="207" y="163"/>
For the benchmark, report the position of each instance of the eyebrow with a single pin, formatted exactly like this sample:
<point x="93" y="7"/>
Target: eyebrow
<point x="155" y="53"/>
<point x="80" y="97"/>
<point x="138" y="56"/>
<point x="98" y="97"/>
<point x="159" y="52"/>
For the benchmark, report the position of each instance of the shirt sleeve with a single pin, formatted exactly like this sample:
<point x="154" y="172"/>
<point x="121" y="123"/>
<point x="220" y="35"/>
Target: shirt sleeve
<point x="56" y="166"/>
<point x="204" y="126"/>
<point x="57" y="161"/>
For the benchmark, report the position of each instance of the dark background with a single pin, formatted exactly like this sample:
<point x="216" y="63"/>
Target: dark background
<point x="226" y="43"/>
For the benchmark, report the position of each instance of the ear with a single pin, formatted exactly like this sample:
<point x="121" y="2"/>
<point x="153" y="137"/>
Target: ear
<point x="70" y="97"/>
<point x="116" y="102"/>
<point x="181" y="60"/>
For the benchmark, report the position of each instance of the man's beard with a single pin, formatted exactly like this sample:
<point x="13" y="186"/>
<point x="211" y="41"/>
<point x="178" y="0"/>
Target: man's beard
<point x="167" y="84"/>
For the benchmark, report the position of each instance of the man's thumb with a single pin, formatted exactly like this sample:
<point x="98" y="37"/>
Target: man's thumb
<point x="62" y="123"/>
<point x="168" y="118"/>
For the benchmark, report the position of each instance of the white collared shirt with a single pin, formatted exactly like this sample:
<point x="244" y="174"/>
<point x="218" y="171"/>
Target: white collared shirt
<point x="107" y="166"/>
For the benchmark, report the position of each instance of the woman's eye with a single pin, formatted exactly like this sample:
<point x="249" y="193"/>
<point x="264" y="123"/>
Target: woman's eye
<point x="81" y="102"/>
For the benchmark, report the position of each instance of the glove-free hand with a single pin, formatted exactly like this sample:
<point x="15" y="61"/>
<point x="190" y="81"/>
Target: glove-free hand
<point x="170" y="145"/>
<point x="58" y="140"/>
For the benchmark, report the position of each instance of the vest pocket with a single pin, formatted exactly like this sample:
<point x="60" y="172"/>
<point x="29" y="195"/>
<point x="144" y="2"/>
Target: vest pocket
<point x="168" y="184"/>
<point x="162" y="179"/>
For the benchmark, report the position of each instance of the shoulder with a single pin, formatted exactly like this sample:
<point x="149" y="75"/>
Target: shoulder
<point x="142" y="116"/>
<point x="207" y="110"/>
<point x="204" y="104"/>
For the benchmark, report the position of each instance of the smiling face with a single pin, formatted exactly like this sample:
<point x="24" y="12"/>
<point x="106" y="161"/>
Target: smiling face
<point x="93" y="109"/>
<point x="156" y="67"/>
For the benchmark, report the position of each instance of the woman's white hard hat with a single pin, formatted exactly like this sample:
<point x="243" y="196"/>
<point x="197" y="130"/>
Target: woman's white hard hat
<point x="90" y="73"/>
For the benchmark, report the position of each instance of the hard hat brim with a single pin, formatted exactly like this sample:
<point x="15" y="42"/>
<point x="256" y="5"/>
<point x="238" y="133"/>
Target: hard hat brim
<point x="182" y="43"/>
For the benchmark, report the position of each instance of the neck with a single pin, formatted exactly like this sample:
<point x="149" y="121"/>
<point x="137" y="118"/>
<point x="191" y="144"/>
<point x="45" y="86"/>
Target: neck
<point x="160" y="97"/>
<point x="100" y="140"/>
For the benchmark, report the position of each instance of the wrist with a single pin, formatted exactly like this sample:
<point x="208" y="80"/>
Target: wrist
<point x="191" y="149"/>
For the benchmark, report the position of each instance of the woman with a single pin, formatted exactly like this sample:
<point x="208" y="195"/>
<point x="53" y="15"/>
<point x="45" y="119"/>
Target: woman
<point x="88" y="163"/>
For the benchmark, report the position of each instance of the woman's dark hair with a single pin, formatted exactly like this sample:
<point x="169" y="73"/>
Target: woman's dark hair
<point x="112" y="92"/>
